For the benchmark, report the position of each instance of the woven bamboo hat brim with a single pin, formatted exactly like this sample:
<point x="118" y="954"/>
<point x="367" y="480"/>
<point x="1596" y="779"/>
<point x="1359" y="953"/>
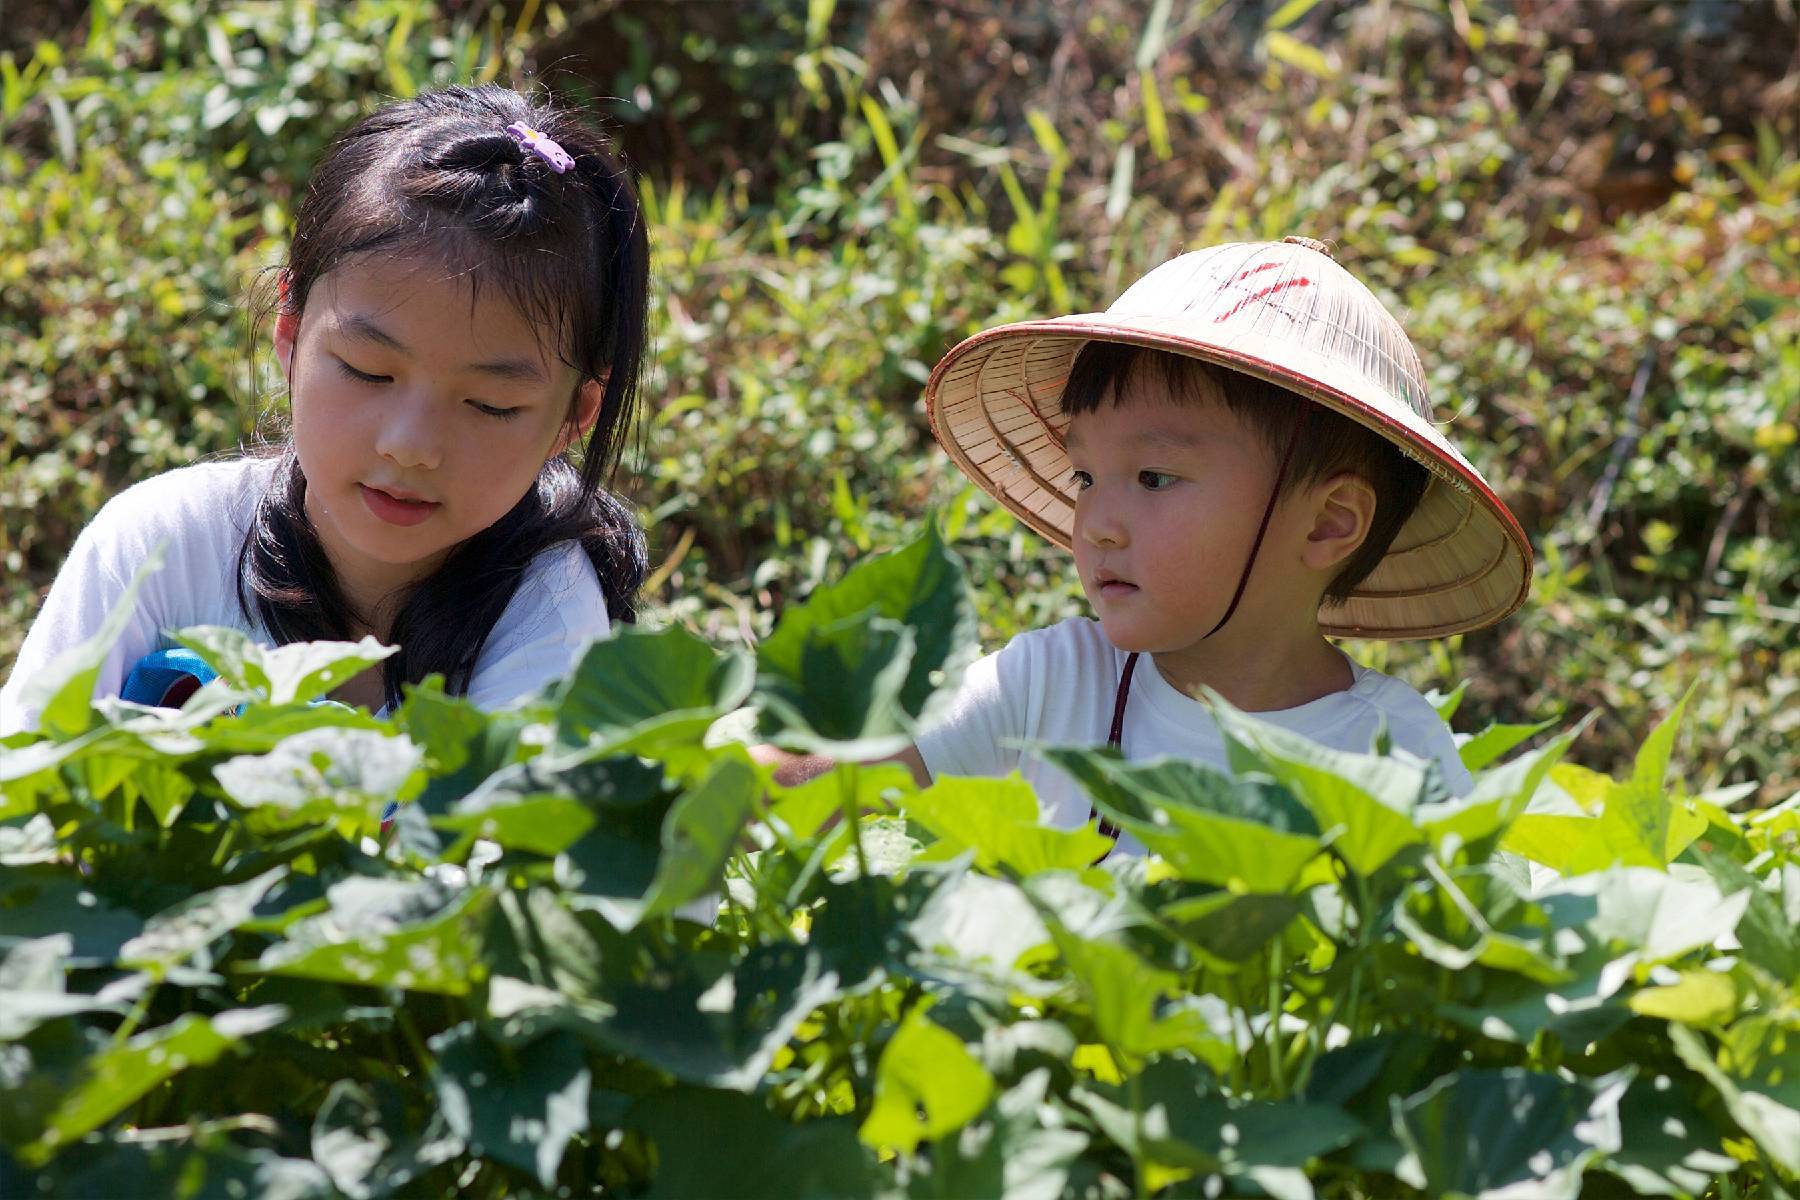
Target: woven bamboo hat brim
<point x="1285" y="312"/>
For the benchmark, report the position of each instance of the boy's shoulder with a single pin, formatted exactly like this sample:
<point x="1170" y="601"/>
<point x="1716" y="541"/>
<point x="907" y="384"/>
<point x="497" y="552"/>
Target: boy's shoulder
<point x="1412" y="721"/>
<point x="1073" y="644"/>
<point x="1398" y="700"/>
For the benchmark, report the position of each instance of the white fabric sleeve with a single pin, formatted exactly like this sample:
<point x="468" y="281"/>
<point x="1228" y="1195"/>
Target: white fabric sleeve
<point x="1442" y="746"/>
<point x="556" y="612"/>
<point x="979" y="732"/>
<point x="89" y="585"/>
<point x="1416" y="727"/>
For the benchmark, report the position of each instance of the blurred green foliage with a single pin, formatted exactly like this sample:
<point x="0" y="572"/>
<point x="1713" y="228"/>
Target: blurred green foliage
<point x="1557" y="207"/>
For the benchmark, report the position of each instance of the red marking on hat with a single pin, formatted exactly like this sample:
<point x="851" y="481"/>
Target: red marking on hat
<point x="1253" y="297"/>
<point x="1243" y="275"/>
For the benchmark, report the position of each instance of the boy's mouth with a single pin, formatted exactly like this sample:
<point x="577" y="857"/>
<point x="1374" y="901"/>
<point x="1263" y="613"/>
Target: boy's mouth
<point x="1111" y="586"/>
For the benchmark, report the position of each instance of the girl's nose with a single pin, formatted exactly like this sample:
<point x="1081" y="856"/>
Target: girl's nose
<point x="409" y="432"/>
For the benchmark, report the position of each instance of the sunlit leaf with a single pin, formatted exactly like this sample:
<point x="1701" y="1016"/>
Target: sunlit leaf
<point x="298" y="671"/>
<point x="322" y="773"/>
<point x="920" y="587"/>
<point x="1697" y="998"/>
<point x="998" y="821"/>
<point x="1012" y="1151"/>
<point x="637" y="683"/>
<point x="173" y="934"/>
<point x="927" y="1085"/>
<point x="1363" y="804"/>
<point x="114" y="1078"/>
<point x="1239" y="834"/>
<point x="1496" y="741"/>
<point x="844" y="697"/>
<point x="380" y="933"/>
<point x="700" y="833"/>
<point x="1768" y="1111"/>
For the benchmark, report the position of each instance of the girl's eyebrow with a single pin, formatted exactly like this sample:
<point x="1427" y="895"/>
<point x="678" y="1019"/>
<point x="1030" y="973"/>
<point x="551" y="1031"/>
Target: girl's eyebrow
<point x="364" y="328"/>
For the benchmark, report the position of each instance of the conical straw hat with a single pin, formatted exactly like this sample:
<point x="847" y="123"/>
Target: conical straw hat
<point x="1285" y="312"/>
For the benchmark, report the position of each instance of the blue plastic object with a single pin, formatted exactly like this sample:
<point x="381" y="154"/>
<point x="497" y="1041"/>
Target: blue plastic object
<point x="166" y="678"/>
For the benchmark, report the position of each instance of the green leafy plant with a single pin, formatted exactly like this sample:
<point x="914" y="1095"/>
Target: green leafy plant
<point x="603" y="954"/>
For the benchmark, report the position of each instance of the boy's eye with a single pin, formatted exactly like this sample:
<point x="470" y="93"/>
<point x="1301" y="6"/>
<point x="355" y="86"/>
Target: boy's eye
<point x="1156" y="481"/>
<point x="362" y="376"/>
<point x="1082" y="480"/>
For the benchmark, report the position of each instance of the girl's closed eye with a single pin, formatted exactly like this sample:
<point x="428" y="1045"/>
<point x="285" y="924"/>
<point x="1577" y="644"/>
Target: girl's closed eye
<point x="1156" y="481"/>
<point x="504" y="414"/>
<point x="362" y="376"/>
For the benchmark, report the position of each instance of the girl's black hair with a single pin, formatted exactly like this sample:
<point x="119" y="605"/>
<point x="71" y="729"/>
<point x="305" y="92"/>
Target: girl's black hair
<point x="1333" y="443"/>
<point x="438" y="177"/>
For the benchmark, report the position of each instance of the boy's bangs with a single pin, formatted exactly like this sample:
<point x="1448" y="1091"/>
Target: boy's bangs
<point x="1102" y="371"/>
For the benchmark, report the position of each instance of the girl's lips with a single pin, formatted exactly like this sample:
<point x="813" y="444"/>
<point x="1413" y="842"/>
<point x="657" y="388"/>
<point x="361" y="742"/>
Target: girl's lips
<point x="395" y="511"/>
<point x="1112" y="589"/>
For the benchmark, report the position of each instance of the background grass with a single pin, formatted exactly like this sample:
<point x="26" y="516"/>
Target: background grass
<point x="1586" y="214"/>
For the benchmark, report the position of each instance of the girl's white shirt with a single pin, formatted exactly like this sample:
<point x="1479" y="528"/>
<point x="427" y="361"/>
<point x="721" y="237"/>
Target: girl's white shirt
<point x="201" y="514"/>
<point x="1056" y="687"/>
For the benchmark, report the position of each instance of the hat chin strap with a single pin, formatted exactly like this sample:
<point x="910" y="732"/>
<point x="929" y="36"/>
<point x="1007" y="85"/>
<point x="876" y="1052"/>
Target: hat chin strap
<point x="1287" y="457"/>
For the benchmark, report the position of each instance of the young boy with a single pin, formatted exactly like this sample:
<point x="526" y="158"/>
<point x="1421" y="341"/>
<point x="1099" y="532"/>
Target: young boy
<point x="1241" y="456"/>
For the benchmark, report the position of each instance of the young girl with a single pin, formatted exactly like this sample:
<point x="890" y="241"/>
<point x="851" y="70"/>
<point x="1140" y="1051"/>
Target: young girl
<point x="464" y="300"/>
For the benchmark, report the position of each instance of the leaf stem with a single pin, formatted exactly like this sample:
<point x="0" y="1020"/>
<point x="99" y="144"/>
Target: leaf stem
<point x="1277" y="1076"/>
<point x="404" y="1020"/>
<point x="847" y="802"/>
<point x="135" y="1017"/>
<point x="1362" y="902"/>
<point x="1139" y="1186"/>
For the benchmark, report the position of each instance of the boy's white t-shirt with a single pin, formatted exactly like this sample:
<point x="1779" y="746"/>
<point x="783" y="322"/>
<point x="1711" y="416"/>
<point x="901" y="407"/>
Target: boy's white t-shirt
<point x="202" y="513"/>
<point x="1057" y="686"/>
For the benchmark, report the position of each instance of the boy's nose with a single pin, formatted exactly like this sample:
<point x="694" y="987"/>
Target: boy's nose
<point x="1097" y="526"/>
<point x="409" y="433"/>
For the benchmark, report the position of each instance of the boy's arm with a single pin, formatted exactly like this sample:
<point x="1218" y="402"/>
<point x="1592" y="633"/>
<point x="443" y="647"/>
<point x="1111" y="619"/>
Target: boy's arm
<point x="977" y="736"/>
<point x="794" y="769"/>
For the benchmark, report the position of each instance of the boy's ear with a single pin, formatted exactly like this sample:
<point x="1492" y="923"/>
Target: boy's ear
<point x="582" y="418"/>
<point x="1342" y="511"/>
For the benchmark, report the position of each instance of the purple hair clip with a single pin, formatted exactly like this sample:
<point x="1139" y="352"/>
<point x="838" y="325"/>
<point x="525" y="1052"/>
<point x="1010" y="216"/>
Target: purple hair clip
<point x="540" y="145"/>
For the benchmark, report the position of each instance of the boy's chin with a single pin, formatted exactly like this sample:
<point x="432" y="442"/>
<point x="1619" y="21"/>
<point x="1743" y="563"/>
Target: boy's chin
<point x="1130" y="640"/>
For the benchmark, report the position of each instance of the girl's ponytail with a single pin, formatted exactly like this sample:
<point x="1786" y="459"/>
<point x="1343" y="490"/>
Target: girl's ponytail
<point x="626" y="275"/>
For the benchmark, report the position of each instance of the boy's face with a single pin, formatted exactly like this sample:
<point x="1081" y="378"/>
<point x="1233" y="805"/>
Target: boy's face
<point x="1171" y="494"/>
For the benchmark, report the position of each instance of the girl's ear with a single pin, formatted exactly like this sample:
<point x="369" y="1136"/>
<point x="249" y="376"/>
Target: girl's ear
<point x="287" y="331"/>
<point x="1342" y="510"/>
<point x="581" y="419"/>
